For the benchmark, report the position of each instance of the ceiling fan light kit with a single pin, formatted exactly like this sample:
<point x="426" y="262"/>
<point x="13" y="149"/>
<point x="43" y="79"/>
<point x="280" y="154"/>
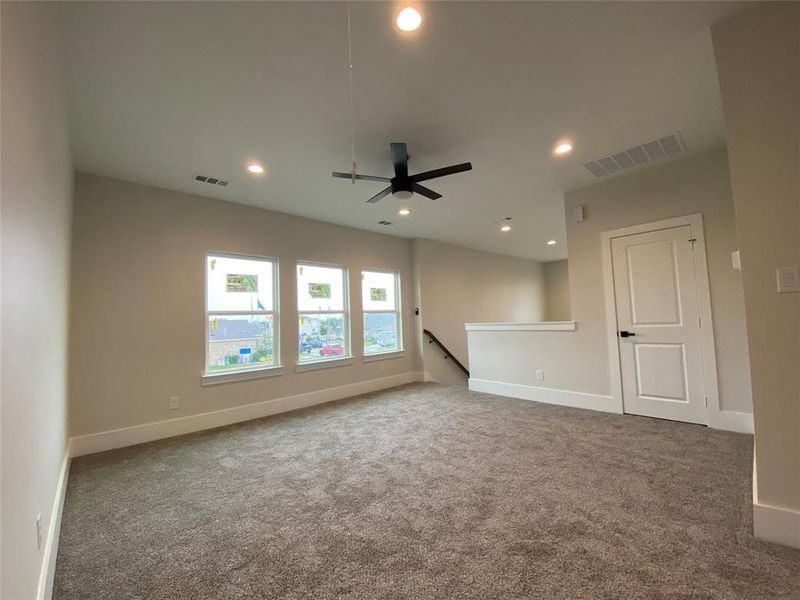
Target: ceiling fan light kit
<point x="403" y="186"/>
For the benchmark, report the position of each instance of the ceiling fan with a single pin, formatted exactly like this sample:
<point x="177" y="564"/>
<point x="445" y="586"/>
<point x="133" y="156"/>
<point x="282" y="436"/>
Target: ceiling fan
<point x="403" y="185"/>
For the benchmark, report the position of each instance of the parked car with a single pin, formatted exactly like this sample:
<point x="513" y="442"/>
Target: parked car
<point x="309" y="343"/>
<point x="334" y="350"/>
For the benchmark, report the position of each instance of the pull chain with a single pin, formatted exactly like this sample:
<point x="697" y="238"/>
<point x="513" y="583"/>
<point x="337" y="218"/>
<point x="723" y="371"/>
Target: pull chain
<point x="352" y="101"/>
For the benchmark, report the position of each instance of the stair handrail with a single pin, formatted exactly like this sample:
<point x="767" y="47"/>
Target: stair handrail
<point x="443" y="348"/>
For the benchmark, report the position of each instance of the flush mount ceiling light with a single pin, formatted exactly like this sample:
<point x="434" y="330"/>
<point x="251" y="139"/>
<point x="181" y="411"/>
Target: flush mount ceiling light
<point x="551" y="242"/>
<point x="505" y="228"/>
<point x="409" y="19"/>
<point x="255" y="169"/>
<point x="404" y="212"/>
<point x="562" y="148"/>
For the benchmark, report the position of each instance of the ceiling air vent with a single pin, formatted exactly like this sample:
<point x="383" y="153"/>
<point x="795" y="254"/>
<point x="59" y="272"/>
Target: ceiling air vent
<point x="210" y="180"/>
<point x="384" y="222"/>
<point x="663" y="148"/>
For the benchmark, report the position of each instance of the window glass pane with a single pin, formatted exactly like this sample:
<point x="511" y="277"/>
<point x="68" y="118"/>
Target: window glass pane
<point x="319" y="288"/>
<point x="236" y="342"/>
<point x="380" y="333"/>
<point x="378" y="290"/>
<point x="321" y="337"/>
<point x="239" y="283"/>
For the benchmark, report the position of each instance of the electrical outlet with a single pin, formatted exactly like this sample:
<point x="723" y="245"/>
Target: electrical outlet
<point x="539" y="375"/>
<point x="39" y="538"/>
<point x="174" y="402"/>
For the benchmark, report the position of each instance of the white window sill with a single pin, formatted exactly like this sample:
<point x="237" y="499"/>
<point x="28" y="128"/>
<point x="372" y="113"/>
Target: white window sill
<point x="242" y="375"/>
<point x="384" y="355"/>
<point x="542" y="326"/>
<point x="342" y="361"/>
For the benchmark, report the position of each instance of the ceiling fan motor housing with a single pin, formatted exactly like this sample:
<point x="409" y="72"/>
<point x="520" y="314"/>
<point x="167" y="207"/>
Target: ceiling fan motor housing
<point x="401" y="188"/>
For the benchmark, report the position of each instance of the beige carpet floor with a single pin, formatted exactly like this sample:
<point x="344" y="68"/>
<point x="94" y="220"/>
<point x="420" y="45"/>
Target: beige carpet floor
<point x="423" y="492"/>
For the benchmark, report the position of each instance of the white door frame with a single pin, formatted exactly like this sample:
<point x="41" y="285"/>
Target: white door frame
<point x="695" y="223"/>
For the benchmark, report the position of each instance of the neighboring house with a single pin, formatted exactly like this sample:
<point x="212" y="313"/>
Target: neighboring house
<point x="232" y="336"/>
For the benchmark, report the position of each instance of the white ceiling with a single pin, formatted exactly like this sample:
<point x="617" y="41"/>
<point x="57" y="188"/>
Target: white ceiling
<point x="158" y="91"/>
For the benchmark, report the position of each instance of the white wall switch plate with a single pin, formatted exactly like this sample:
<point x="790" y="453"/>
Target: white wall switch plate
<point x="579" y="213"/>
<point x="539" y="375"/>
<point x="174" y="402"/>
<point x="39" y="535"/>
<point x="788" y="280"/>
<point x="736" y="259"/>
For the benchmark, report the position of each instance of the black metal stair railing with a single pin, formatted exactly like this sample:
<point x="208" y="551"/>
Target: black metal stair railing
<point x="447" y="354"/>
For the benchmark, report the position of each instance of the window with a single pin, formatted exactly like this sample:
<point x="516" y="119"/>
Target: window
<point x="241" y="313"/>
<point x="324" y="325"/>
<point x="380" y="297"/>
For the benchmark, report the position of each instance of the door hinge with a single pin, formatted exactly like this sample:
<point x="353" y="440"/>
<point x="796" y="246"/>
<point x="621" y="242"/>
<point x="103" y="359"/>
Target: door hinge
<point x="705" y="399"/>
<point x="692" y="241"/>
<point x="700" y="322"/>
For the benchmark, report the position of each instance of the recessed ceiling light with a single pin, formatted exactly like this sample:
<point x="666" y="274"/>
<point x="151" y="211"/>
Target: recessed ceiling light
<point x="409" y="19"/>
<point x="505" y="228"/>
<point x="551" y="242"/>
<point x="255" y="168"/>
<point x="563" y="148"/>
<point x="404" y="212"/>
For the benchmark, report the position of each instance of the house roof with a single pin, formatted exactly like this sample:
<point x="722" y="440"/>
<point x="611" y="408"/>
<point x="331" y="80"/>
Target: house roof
<point x="235" y="329"/>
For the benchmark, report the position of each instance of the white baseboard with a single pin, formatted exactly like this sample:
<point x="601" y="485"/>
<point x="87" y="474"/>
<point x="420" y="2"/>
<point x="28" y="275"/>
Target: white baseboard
<point x="773" y="523"/>
<point x="727" y="420"/>
<point x="730" y="420"/>
<point x="139" y="434"/>
<point x="548" y="396"/>
<point x="45" y="588"/>
<point x="776" y="524"/>
<point x="427" y="377"/>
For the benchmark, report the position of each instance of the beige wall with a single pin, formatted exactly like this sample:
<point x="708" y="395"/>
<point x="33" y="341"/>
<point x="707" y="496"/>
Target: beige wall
<point x="699" y="184"/>
<point x="578" y="361"/>
<point x="459" y="285"/>
<point x="758" y="60"/>
<point x="556" y="287"/>
<point x="36" y="212"/>
<point x="138" y="276"/>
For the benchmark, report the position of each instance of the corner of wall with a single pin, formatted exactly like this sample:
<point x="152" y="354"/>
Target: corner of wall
<point x="48" y="569"/>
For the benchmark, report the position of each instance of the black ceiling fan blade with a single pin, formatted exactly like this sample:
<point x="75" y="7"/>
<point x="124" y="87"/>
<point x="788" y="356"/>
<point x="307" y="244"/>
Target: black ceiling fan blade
<point x="442" y="172"/>
<point x="359" y="176"/>
<point x="423" y="191"/>
<point x="379" y="195"/>
<point x="399" y="159"/>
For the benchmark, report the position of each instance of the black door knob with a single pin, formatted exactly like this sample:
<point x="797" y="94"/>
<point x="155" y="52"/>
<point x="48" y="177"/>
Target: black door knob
<point x="624" y="333"/>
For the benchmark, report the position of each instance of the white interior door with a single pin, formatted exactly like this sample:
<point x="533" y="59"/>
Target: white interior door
<point x="658" y="325"/>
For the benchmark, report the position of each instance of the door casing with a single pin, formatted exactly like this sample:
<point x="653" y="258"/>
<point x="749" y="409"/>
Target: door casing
<point x="695" y="223"/>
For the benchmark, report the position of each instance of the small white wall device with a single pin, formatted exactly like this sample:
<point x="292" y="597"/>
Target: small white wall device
<point x="736" y="259"/>
<point x="579" y="214"/>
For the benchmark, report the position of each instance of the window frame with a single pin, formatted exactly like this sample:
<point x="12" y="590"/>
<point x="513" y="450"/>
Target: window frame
<point x="398" y="311"/>
<point x="244" y="373"/>
<point x="347" y="357"/>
